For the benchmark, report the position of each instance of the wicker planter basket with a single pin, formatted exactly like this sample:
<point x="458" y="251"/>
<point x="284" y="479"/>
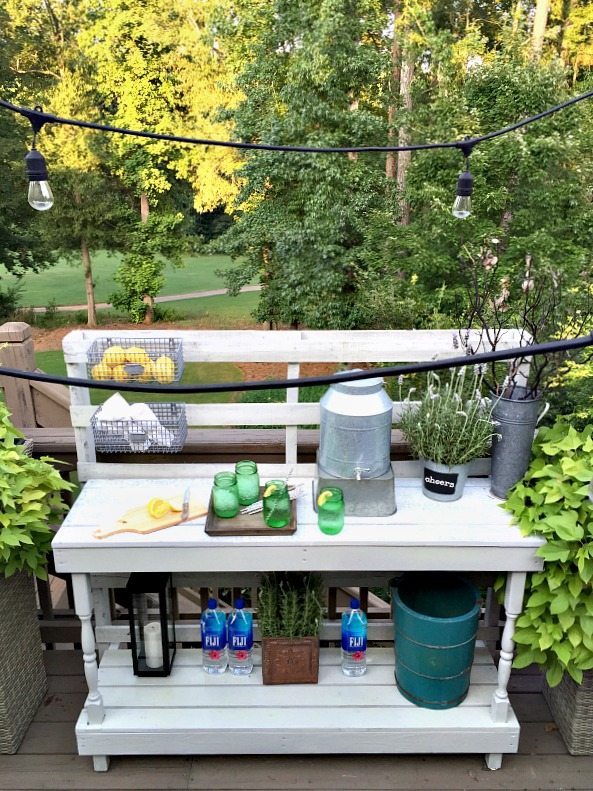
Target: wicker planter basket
<point x="571" y="705"/>
<point x="23" y="682"/>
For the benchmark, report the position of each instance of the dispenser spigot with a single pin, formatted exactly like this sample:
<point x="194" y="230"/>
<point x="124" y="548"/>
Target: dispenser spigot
<point x="358" y="471"/>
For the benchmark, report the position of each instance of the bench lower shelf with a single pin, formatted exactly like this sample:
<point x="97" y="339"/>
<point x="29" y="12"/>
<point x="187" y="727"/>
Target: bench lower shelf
<point x="191" y="712"/>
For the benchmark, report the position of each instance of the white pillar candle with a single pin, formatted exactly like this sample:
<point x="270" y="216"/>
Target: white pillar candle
<point x="153" y="647"/>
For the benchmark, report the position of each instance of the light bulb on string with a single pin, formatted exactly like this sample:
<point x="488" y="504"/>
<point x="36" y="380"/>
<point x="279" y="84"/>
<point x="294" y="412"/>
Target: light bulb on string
<point x="462" y="206"/>
<point x="40" y="196"/>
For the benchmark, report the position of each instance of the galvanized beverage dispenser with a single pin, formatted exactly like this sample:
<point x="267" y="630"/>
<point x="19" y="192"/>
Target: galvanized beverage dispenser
<point x="355" y="444"/>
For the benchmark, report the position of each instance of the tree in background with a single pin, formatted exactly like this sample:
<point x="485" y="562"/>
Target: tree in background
<point x="311" y="78"/>
<point x="89" y="211"/>
<point x="335" y="240"/>
<point x="531" y="188"/>
<point x="157" y="68"/>
<point x="21" y="247"/>
<point x="141" y="272"/>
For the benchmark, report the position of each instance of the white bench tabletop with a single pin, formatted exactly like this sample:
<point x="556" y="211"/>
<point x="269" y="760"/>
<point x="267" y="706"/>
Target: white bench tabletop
<point x="474" y="532"/>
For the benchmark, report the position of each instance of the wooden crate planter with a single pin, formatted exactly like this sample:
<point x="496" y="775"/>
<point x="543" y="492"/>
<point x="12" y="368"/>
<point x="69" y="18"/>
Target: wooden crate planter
<point x="290" y="660"/>
<point x="23" y="682"/>
<point x="571" y="705"/>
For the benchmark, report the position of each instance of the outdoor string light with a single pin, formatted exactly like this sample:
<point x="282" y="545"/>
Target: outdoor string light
<point x="41" y="198"/>
<point x="462" y="206"/>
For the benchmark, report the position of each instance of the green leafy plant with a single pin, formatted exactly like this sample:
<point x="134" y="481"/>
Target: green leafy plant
<point x="290" y="604"/>
<point x="452" y="422"/>
<point x="555" y="629"/>
<point x="29" y="497"/>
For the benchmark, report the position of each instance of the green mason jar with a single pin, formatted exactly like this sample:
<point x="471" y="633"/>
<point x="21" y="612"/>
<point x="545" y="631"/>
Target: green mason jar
<point x="277" y="510"/>
<point x="330" y="510"/>
<point x="225" y="495"/>
<point x="247" y="481"/>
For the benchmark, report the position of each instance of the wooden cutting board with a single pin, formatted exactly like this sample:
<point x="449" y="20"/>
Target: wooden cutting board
<point x="138" y="520"/>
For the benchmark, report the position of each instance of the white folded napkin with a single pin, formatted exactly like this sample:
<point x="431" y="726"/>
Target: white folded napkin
<point x="137" y="416"/>
<point x="142" y="412"/>
<point x="159" y="434"/>
<point x="115" y="408"/>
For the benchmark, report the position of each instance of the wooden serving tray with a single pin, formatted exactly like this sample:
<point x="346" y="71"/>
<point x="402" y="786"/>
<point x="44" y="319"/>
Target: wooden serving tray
<point x="247" y="524"/>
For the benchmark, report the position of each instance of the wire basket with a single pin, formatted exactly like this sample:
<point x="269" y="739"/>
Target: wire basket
<point x="165" y="435"/>
<point x="136" y="360"/>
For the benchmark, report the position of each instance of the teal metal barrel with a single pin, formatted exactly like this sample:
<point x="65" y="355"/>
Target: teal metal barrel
<point x="436" y="621"/>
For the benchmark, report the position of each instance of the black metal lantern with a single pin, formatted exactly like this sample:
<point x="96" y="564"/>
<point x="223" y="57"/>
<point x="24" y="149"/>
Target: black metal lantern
<point x="151" y="609"/>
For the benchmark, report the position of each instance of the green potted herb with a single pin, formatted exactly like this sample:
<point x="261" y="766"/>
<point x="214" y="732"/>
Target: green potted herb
<point x="555" y="629"/>
<point x="29" y="498"/>
<point x="289" y="615"/>
<point x="449" y="426"/>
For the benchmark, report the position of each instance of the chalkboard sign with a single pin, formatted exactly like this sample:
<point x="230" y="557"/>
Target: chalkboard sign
<point x="440" y="482"/>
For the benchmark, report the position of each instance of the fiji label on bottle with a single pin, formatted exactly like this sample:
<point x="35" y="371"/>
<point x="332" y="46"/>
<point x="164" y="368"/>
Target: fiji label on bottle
<point x="353" y="643"/>
<point x="240" y="641"/>
<point x="241" y="632"/>
<point x="213" y="636"/>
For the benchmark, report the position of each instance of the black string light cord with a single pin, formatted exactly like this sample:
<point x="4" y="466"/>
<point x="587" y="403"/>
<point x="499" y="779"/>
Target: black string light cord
<point x="551" y="347"/>
<point x="38" y="118"/>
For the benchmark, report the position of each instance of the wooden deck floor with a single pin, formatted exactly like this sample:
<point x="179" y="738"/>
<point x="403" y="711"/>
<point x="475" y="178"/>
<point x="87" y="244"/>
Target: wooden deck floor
<point x="47" y="758"/>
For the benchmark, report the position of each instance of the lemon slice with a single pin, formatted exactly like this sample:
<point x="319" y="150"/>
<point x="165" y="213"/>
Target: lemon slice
<point x="176" y="503"/>
<point x="323" y="498"/>
<point x="158" y="508"/>
<point x="270" y="489"/>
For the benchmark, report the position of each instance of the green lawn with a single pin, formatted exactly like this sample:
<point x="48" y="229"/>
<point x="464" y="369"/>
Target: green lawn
<point x="224" y="311"/>
<point x="194" y="373"/>
<point x="64" y="282"/>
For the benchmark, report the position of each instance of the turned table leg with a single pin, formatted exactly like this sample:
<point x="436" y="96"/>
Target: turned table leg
<point x="84" y="610"/>
<point x="513" y="603"/>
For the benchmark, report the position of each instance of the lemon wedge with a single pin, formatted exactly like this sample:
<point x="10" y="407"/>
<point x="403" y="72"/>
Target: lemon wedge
<point x="157" y="507"/>
<point x="323" y="498"/>
<point x="270" y="489"/>
<point x="176" y="503"/>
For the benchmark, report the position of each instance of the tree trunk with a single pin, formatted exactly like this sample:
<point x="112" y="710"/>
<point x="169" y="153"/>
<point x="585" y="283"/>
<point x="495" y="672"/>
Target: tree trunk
<point x="88" y="283"/>
<point x="517" y="14"/>
<point x="540" y="21"/>
<point x="146" y="298"/>
<point x="391" y="161"/>
<point x="404" y="157"/>
<point x="562" y="48"/>
<point x="353" y="155"/>
<point x="149" y="315"/>
<point x="144" y="207"/>
<point x="87" y="270"/>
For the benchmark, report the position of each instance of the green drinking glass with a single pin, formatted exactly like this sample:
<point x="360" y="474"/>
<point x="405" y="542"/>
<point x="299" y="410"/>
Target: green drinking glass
<point x="330" y="510"/>
<point x="277" y="509"/>
<point x="225" y="495"/>
<point x="247" y="481"/>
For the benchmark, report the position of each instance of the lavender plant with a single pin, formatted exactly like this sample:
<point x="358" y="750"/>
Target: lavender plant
<point x="452" y="422"/>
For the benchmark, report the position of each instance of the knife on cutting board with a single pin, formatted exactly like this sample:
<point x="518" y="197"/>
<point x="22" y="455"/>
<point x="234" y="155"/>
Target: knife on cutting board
<point x="138" y="520"/>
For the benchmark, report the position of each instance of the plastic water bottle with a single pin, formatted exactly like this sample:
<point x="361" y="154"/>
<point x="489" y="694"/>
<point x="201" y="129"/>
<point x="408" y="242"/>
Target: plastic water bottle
<point x="240" y="632"/>
<point x="213" y="627"/>
<point x="354" y="640"/>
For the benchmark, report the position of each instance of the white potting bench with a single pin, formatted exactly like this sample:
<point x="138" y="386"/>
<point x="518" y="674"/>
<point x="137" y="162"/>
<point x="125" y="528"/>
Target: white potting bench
<point x="192" y="712"/>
